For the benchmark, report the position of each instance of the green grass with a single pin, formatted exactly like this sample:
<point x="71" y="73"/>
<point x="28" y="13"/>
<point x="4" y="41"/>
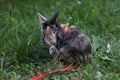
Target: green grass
<point x="23" y="56"/>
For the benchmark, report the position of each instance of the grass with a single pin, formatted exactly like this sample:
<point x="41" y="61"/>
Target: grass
<point x="23" y="56"/>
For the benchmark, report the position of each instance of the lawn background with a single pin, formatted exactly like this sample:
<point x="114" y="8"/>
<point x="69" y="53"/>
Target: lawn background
<point x="23" y="56"/>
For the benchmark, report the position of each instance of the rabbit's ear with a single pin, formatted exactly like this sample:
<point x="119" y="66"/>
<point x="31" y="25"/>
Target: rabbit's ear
<point x="53" y="20"/>
<point x="42" y="19"/>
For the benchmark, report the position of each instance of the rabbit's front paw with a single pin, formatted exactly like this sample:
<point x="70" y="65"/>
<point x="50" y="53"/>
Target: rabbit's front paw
<point x="52" y="50"/>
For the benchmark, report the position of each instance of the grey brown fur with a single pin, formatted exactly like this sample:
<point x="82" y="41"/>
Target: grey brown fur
<point x="73" y="48"/>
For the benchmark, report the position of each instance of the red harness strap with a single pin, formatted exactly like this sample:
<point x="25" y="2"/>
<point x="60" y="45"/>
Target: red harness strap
<point x="66" y="30"/>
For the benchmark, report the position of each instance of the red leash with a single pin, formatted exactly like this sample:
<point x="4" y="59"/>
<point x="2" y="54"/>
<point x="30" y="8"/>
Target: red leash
<point x="60" y="70"/>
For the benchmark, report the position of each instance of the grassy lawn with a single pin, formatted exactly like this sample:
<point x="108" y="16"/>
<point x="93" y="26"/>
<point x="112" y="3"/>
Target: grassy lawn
<point x="23" y="56"/>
